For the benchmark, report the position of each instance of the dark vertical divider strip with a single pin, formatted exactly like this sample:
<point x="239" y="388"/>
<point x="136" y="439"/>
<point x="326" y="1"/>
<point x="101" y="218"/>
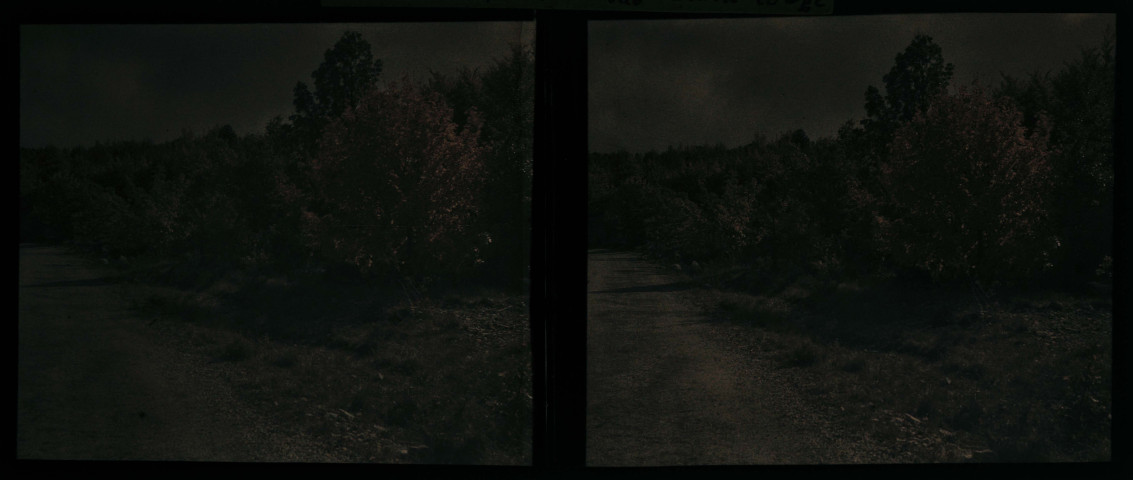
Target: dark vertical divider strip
<point x="538" y="286"/>
<point x="559" y="253"/>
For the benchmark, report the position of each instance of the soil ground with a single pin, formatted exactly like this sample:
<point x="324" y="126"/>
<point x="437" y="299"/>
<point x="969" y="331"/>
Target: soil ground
<point x="664" y="388"/>
<point x="95" y="382"/>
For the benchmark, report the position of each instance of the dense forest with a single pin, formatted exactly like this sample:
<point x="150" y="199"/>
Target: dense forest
<point x="427" y="181"/>
<point x="1009" y="183"/>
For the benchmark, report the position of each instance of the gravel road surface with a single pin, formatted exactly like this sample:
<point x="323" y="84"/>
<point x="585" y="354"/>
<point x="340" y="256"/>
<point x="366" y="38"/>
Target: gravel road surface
<point x="94" y="382"/>
<point x="664" y="387"/>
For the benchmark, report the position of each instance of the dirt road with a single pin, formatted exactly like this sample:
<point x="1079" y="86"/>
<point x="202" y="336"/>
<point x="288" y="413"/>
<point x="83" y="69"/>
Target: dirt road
<point x="95" y="384"/>
<point x="663" y="388"/>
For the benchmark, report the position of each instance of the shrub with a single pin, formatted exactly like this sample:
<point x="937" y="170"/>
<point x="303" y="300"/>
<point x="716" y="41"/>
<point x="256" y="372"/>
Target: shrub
<point x="398" y="181"/>
<point x="1079" y="101"/>
<point x="966" y="185"/>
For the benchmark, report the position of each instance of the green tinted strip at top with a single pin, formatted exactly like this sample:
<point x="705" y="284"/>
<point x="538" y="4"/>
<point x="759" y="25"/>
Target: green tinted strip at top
<point x="777" y="7"/>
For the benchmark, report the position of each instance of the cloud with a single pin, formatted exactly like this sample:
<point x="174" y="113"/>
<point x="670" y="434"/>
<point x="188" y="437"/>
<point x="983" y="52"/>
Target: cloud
<point x="85" y="83"/>
<point x="720" y="80"/>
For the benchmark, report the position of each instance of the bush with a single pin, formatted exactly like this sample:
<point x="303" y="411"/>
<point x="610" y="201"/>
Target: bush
<point x="398" y="181"/>
<point x="1079" y="101"/>
<point x="966" y="186"/>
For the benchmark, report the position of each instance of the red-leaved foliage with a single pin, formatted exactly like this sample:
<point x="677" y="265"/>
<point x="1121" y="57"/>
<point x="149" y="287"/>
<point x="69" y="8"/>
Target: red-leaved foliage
<point x="398" y="181"/>
<point x="966" y="186"/>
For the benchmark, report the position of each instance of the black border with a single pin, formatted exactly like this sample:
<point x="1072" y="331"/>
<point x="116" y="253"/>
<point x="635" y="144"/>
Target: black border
<point x="560" y="183"/>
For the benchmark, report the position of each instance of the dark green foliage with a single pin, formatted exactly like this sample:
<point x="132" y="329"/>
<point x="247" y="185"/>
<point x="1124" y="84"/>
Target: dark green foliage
<point x="931" y="186"/>
<point x="190" y="194"/>
<point x="502" y="99"/>
<point x="666" y="203"/>
<point x="276" y="201"/>
<point x="400" y="182"/>
<point x="775" y="206"/>
<point x="966" y="191"/>
<point x="348" y="72"/>
<point x="918" y="75"/>
<point x="49" y="192"/>
<point x="1079" y="103"/>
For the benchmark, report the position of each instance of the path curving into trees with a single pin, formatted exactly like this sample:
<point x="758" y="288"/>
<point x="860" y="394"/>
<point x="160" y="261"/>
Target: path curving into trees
<point x="665" y="388"/>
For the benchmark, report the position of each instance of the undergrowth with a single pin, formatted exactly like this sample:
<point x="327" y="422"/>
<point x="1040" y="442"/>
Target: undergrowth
<point x="943" y="375"/>
<point x="377" y="372"/>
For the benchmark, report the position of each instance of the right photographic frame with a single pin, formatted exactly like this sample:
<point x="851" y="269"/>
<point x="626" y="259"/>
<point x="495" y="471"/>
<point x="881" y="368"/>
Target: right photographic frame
<point x="850" y="239"/>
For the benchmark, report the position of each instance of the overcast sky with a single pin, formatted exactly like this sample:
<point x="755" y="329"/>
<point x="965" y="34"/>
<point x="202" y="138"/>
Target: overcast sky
<point x="656" y="83"/>
<point x="85" y="83"/>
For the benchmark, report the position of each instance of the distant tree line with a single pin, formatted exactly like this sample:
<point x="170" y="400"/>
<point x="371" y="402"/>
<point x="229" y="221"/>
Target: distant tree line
<point x="423" y="180"/>
<point x="997" y="184"/>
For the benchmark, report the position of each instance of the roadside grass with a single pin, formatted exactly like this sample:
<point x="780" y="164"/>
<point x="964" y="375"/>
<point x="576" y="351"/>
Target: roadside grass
<point x="944" y="375"/>
<point x="377" y="373"/>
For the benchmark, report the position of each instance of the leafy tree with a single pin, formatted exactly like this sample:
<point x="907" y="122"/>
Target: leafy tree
<point x="507" y="107"/>
<point x="462" y="91"/>
<point x="348" y="72"/>
<point x="840" y="211"/>
<point x="918" y="75"/>
<point x="400" y="181"/>
<point x="503" y="97"/>
<point x="967" y="188"/>
<point x="1079" y="101"/>
<point x="37" y="167"/>
<point x="781" y="223"/>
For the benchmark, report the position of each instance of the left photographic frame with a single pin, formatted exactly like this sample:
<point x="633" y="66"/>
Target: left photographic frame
<point x="277" y="242"/>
